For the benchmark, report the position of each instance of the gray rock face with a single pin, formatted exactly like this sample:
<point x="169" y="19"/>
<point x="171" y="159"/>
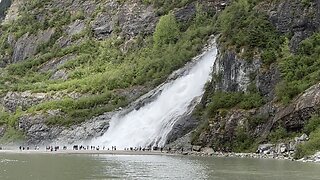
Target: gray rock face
<point x="60" y="74"/>
<point x="186" y="14"/>
<point x="182" y="127"/>
<point x="76" y="27"/>
<point x="136" y="19"/>
<point x="182" y="142"/>
<point x="34" y="127"/>
<point x="231" y="73"/>
<point x="267" y="81"/>
<point x="13" y="100"/>
<point x="13" y="11"/>
<point x="102" y="26"/>
<point x="294" y="116"/>
<point x="130" y="19"/>
<point x="222" y="130"/>
<point x="38" y="132"/>
<point x="26" y="46"/>
<point x="54" y="64"/>
<point x="95" y="127"/>
<point x="293" y="16"/>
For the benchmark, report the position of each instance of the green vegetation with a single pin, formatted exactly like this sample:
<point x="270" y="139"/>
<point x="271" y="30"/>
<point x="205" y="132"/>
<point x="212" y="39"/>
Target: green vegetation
<point x="300" y="71"/>
<point x="98" y="68"/>
<point x="167" y="31"/>
<point x="250" y="34"/>
<point x="310" y="147"/>
<point x="76" y="111"/>
<point x="12" y="135"/>
<point x="312" y="128"/>
<point x="164" y="6"/>
<point x="244" y="28"/>
<point x="243" y="142"/>
<point x="227" y="100"/>
<point x="277" y="134"/>
<point x="312" y="125"/>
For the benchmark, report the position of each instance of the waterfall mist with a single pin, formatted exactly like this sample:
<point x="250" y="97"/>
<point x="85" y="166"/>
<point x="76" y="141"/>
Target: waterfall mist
<point x="150" y="124"/>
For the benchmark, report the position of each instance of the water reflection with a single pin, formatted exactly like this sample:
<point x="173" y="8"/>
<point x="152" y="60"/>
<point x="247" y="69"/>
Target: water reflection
<point x="66" y="167"/>
<point x="152" y="167"/>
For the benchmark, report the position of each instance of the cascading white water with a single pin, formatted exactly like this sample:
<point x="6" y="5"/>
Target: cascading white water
<point x="151" y="124"/>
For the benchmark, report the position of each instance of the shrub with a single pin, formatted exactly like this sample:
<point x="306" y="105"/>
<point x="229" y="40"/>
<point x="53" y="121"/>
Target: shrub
<point x="242" y="26"/>
<point x="167" y="31"/>
<point x="278" y="134"/>
<point x="312" y="125"/>
<point x="310" y="147"/>
<point x="12" y="135"/>
<point x="300" y="71"/>
<point x="269" y="56"/>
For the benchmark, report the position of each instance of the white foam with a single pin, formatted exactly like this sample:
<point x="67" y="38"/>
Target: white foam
<point x="151" y="124"/>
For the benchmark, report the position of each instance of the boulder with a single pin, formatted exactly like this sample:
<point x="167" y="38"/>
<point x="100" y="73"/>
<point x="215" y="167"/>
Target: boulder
<point x="265" y="148"/>
<point x="282" y="148"/>
<point x="196" y="148"/>
<point x="302" y="138"/>
<point x="208" y="151"/>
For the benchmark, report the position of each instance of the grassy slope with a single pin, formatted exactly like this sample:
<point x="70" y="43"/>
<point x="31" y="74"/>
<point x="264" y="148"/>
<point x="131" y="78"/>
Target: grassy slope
<point x="100" y="68"/>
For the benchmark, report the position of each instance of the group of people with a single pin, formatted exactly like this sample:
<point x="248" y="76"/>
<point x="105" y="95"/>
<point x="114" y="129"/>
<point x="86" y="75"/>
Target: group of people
<point x="81" y="147"/>
<point x="149" y="148"/>
<point x="97" y="148"/>
<point x="55" y="148"/>
<point x="22" y="148"/>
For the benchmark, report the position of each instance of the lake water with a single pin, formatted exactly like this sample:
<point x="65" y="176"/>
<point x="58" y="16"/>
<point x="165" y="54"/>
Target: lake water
<point x="67" y="167"/>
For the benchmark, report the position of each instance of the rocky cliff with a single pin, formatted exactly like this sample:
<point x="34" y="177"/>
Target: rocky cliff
<point x="242" y="129"/>
<point x="68" y="66"/>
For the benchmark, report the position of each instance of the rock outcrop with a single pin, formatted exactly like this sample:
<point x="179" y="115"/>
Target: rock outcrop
<point x="37" y="130"/>
<point x="26" y="46"/>
<point x="8" y="10"/>
<point x="232" y="74"/>
<point x="235" y="74"/>
<point x="301" y="19"/>
<point x="13" y="100"/>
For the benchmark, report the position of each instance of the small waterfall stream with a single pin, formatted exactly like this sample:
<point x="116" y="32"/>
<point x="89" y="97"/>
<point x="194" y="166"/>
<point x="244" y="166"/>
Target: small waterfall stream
<point x="150" y="124"/>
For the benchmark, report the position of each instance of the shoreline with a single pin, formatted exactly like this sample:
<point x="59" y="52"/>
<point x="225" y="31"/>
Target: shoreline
<point x="166" y="153"/>
<point x="123" y="152"/>
<point x="88" y="152"/>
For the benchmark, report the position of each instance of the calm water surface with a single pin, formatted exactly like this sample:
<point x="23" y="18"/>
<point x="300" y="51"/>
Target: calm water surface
<point x="66" y="167"/>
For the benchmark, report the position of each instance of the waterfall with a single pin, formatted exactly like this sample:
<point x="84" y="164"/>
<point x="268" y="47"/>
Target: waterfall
<point x="150" y="124"/>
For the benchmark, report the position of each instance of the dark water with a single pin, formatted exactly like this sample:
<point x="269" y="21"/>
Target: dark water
<point x="65" y="167"/>
<point x="4" y="5"/>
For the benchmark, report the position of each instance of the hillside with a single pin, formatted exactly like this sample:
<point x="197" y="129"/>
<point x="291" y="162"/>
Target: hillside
<point x="67" y="62"/>
<point x="72" y="64"/>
